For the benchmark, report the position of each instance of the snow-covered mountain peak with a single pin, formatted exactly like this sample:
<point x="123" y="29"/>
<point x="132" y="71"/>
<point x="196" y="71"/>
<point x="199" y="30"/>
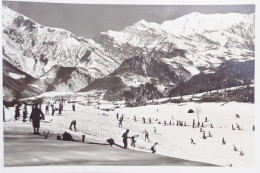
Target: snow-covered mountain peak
<point x="197" y="23"/>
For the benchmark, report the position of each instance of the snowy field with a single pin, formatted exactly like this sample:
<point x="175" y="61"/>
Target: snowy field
<point x="173" y="140"/>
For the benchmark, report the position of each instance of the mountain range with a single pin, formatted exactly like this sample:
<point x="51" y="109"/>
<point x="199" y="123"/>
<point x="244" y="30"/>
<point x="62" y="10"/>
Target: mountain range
<point x="38" y="59"/>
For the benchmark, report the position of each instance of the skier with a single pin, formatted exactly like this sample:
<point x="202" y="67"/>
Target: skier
<point x="204" y="136"/>
<point x="73" y="106"/>
<point x="143" y="120"/>
<point x="134" y="118"/>
<point x="120" y="122"/>
<point x="154" y="130"/>
<point x="191" y="141"/>
<point x="223" y="141"/>
<point x="47" y="109"/>
<point x="233" y="128"/>
<point x="17" y="113"/>
<point x="164" y="123"/>
<point x="253" y="127"/>
<point x="235" y="148"/>
<point x="150" y="120"/>
<point x="133" y="140"/>
<point x="193" y="123"/>
<point x="125" y="137"/>
<point x="153" y="147"/>
<point x="146" y="136"/>
<point x="25" y="112"/>
<point x="206" y="119"/>
<point x="60" y="108"/>
<point x="117" y="115"/>
<point x="35" y="118"/>
<point x="53" y="109"/>
<point x="73" y="123"/>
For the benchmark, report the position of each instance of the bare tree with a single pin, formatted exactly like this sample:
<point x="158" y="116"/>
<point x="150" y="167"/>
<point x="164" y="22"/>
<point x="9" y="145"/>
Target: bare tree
<point x="198" y="112"/>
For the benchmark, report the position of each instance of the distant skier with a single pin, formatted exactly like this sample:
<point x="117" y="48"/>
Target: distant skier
<point x="120" y="122"/>
<point x="154" y="130"/>
<point x="233" y="128"/>
<point x="117" y="116"/>
<point x="193" y="123"/>
<point x="53" y="109"/>
<point x="211" y="126"/>
<point x="235" y="148"/>
<point x="47" y="109"/>
<point x="125" y="137"/>
<point x="150" y="120"/>
<point x="204" y="136"/>
<point x="133" y="140"/>
<point x="73" y="123"/>
<point x="153" y="147"/>
<point x="164" y="123"/>
<point x="60" y="108"/>
<point x="134" y="118"/>
<point x="73" y="106"/>
<point x="25" y="112"/>
<point x="210" y="134"/>
<point x="223" y="141"/>
<point x="17" y="112"/>
<point x="146" y="136"/>
<point x="253" y="127"/>
<point x="143" y="120"/>
<point x="206" y="119"/>
<point x="35" y="117"/>
<point x="192" y="141"/>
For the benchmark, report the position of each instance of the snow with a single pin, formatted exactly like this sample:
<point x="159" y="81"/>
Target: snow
<point x="16" y="75"/>
<point x="174" y="140"/>
<point x="199" y="23"/>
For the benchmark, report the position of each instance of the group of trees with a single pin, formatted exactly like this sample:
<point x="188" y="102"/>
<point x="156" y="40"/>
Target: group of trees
<point x="141" y="94"/>
<point x="229" y="74"/>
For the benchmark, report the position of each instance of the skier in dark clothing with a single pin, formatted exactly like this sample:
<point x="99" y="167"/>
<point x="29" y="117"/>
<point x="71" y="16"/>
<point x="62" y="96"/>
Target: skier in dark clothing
<point x="17" y="113"/>
<point x="120" y="122"/>
<point x="117" y="115"/>
<point x="73" y="106"/>
<point x="223" y="141"/>
<point x="146" y="136"/>
<point x="60" y="108"/>
<point x="153" y="147"/>
<point x="73" y="123"/>
<point x="25" y="112"/>
<point x="133" y="140"/>
<point x="53" y="109"/>
<point x="193" y="123"/>
<point x="134" y="118"/>
<point x="143" y="120"/>
<point x="192" y="141"/>
<point x="35" y="117"/>
<point x="47" y="109"/>
<point x="125" y="137"/>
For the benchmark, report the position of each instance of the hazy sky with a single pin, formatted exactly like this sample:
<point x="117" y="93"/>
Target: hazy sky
<point x="88" y="20"/>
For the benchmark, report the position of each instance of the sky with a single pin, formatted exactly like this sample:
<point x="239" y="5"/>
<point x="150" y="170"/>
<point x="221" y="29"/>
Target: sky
<point x="87" y="20"/>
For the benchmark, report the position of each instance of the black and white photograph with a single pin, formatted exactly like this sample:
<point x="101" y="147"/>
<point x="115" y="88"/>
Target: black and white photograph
<point x="112" y="84"/>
